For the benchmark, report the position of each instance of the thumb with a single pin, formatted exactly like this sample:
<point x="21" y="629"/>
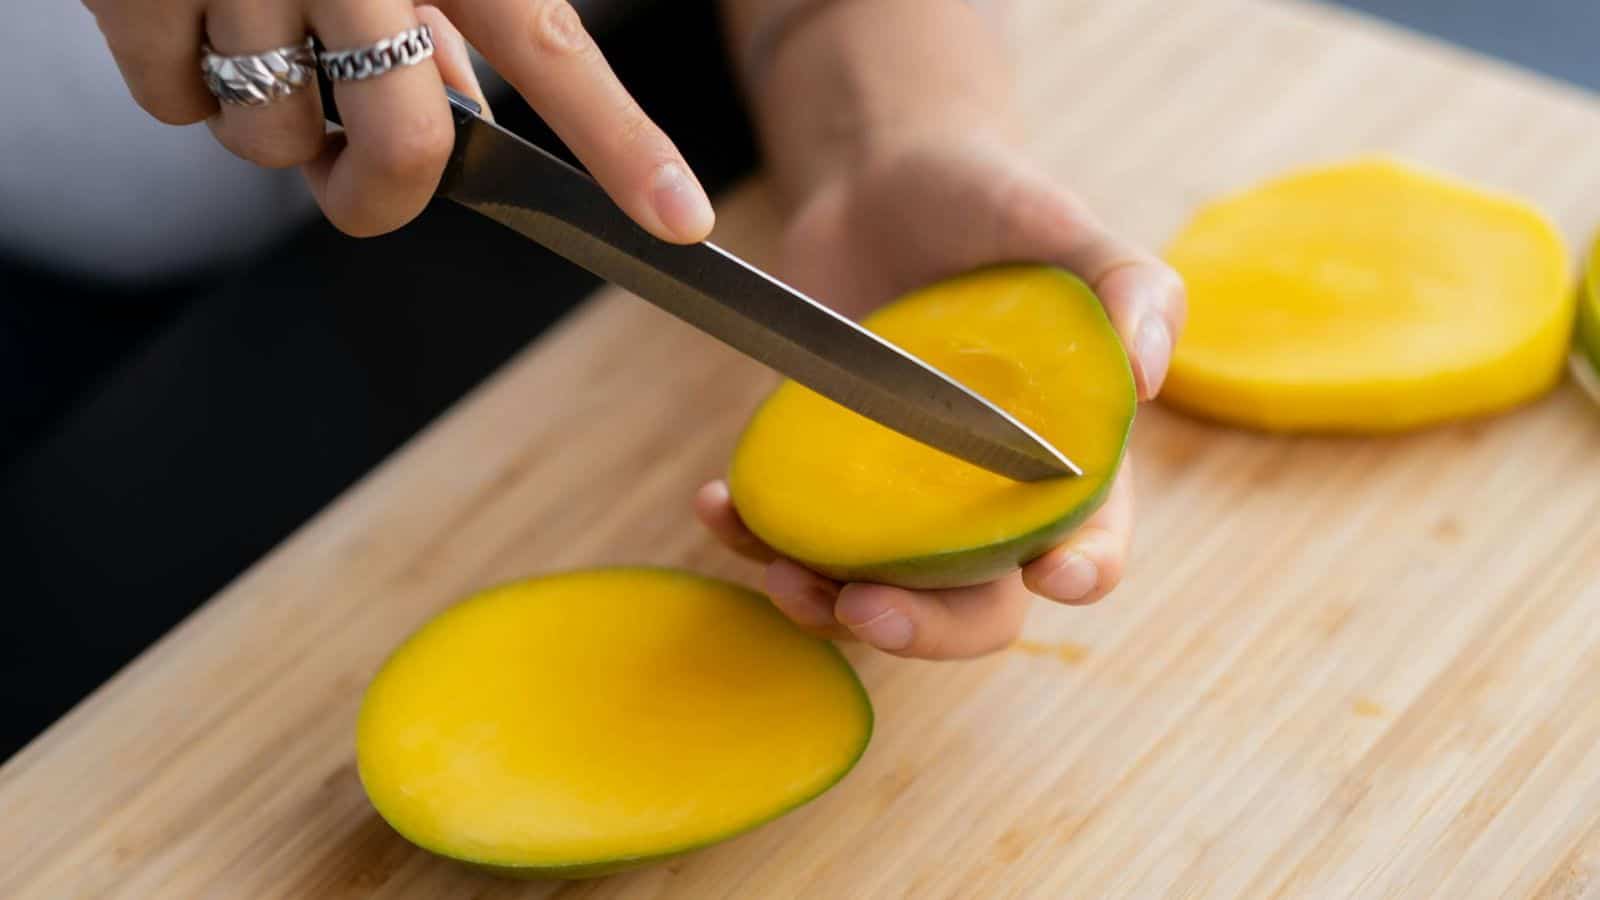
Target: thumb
<point x="1143" y="296"/>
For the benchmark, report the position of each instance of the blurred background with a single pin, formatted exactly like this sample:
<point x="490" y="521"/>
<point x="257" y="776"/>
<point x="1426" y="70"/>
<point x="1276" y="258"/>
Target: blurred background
<point x="191" y="366"/>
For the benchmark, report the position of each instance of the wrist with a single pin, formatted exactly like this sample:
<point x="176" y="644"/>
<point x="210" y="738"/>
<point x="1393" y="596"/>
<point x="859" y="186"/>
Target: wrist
<point x="838" y="84"/>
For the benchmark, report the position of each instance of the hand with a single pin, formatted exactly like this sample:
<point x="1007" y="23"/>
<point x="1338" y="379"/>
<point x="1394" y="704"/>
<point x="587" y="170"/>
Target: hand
<point x="383" y="169"/>
<point x="925" y="212"/>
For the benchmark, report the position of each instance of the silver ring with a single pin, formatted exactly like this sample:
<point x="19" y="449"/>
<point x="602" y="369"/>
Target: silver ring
<point x="407" y="48"/>
<point x="256" y="79"/>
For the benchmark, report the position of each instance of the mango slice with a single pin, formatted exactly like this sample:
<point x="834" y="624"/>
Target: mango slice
<point x="1586" y="354"/>
<point x="592" y="721"/>
<point x="857" y="501"/>
<point x="1369" y="296"/>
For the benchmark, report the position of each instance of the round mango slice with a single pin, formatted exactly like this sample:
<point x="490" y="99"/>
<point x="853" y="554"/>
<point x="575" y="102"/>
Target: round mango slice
<point x="593" y="721"/>
<point x="1369" y="296"/>
<point x="860" y="502"/>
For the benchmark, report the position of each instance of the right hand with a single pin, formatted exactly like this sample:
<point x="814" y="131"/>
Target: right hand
<point x="384" y="168"/>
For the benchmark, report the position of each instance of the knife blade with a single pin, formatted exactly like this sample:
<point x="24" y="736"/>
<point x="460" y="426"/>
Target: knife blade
<point x="499" y="175"/>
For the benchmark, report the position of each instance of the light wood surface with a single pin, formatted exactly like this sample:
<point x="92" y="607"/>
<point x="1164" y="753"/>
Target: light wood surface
<point x="1362" y="668"/>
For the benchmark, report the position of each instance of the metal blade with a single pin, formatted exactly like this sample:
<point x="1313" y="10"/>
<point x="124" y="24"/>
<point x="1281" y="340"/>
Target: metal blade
<point x="529" y="190"/>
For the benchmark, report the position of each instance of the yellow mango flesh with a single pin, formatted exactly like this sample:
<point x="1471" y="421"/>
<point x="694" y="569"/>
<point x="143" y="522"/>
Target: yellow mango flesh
<point x="588" y="721"/>
<point x="1367" y="297"/>
<point x="858" y="501"/>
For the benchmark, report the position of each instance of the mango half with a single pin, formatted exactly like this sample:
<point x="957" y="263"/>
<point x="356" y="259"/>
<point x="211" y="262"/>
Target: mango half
<point x="859" y="502"/>
<point x="1368" y="296"/>
<point x="588" y="722"/>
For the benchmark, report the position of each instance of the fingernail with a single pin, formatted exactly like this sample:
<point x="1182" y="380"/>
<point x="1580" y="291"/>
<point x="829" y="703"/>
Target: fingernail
<point x="1153" y="346"/>
<point x="1073" y="579"/>
<point x="882" y="626"/>
<point x="889" y="631"/>
<point x="714" y="493"/>
<point x="680" y="204"/>
<point x="471" y="72"/>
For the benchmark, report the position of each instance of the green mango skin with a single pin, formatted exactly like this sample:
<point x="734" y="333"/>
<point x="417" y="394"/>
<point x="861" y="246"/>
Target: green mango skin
<point x="1586" y="341"/>
<point x="978" y="565"/>
<point x="1589" y="312"/>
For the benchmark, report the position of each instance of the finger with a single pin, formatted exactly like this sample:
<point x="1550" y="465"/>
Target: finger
<point x="714" y="507"/>
<point x="1090" y="563"/>
<point x="541" y="47"/>
<point x="158" y="52"/>
<point x="287" y="131"/>
<point x="805" y="597"/>
<point x="397" y="128"/>
<point x="950" y="624"/>
<point x="1146" y="301"/>
<point x="1143" y="296"/>
<point x="453" y="58"/>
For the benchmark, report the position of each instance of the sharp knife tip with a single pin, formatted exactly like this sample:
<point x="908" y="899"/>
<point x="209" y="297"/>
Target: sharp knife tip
<point x="1064" y="467"/>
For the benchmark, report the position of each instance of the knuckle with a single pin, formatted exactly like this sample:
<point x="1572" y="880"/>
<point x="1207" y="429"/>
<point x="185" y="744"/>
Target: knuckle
<point x="416" y="152"/>
<point x="554" y="27"/>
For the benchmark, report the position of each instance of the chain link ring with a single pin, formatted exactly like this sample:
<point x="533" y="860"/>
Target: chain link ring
<point x="407" y="48"/>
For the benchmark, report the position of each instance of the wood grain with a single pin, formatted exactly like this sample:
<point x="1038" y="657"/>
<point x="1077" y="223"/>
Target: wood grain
<point x="1359" y="668"/>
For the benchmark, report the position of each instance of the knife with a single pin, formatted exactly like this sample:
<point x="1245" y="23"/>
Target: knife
<point x="499" y="175"/>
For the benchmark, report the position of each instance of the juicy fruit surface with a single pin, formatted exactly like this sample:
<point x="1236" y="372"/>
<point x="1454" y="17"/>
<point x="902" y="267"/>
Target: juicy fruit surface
<point x="1367" y="296"/>
<point x="612" y="715"/>
<point x="854" y="499"/>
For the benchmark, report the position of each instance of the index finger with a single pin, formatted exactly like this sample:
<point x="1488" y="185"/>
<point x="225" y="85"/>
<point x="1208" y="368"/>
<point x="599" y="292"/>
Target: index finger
<point x="541" y="47"/>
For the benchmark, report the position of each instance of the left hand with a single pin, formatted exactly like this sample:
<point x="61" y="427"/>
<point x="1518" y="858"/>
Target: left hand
<point x="927" y="211"/>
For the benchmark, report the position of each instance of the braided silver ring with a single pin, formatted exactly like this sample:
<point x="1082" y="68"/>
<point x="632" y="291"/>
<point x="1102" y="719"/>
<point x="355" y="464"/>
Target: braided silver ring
<point x="407" y="48"/>
<point x="256" y="79"/>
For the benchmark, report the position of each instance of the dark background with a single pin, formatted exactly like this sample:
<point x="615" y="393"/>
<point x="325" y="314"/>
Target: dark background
<point x="153" y="445"/>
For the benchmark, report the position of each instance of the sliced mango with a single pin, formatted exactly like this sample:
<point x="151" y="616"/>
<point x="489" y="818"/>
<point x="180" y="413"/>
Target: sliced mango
<point x="592" y="721"/>
<point x="1369" y="296"/>
<point x="857" y="501"/>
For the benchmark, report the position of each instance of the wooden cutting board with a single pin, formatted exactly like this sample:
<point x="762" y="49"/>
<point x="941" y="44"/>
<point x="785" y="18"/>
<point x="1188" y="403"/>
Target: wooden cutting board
<point x="1340" y="667"/>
